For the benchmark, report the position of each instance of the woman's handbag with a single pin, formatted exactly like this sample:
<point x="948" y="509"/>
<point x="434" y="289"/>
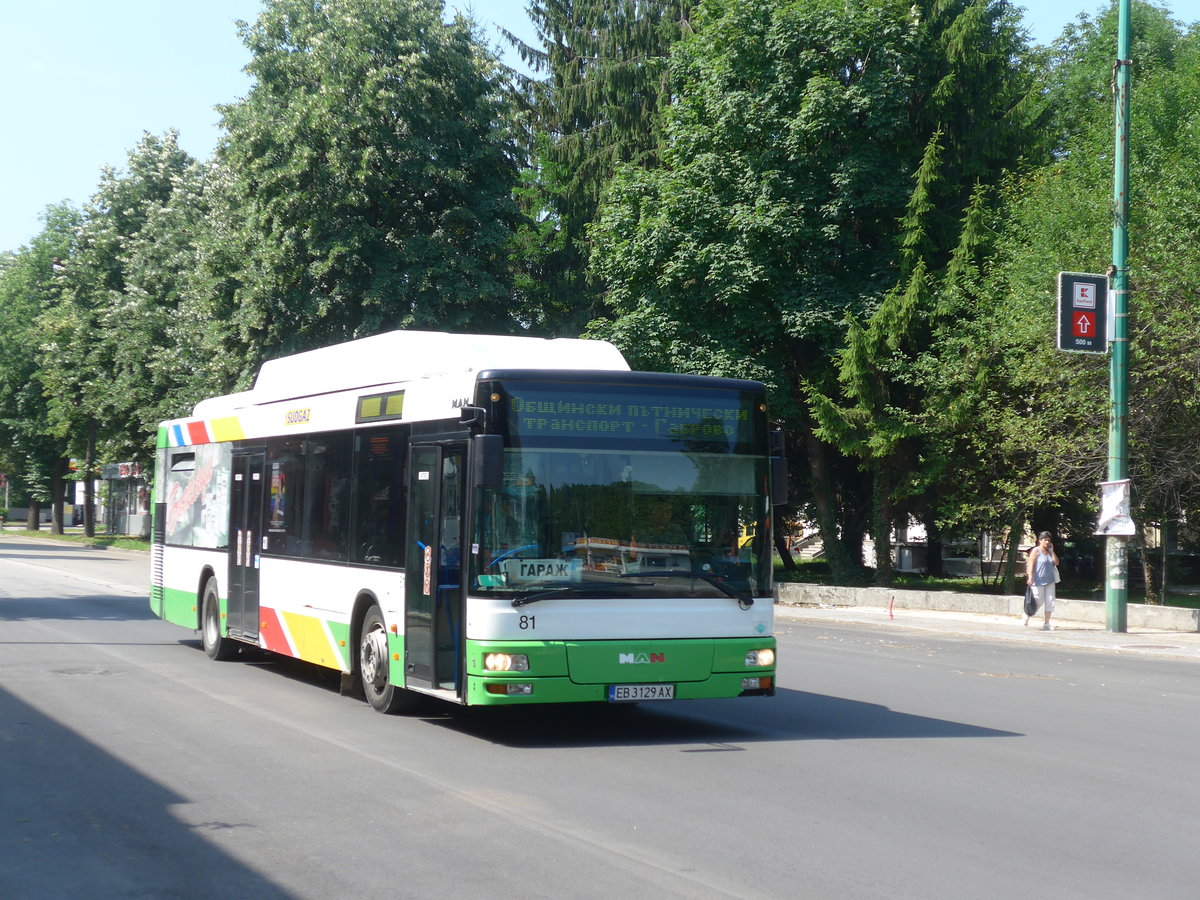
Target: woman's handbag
<point x="1057" y="576"/>
<point x="1030" y="600"/>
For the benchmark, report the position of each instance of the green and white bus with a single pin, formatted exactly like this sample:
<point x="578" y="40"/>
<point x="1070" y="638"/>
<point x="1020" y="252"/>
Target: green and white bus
<point x="486" y="520"/>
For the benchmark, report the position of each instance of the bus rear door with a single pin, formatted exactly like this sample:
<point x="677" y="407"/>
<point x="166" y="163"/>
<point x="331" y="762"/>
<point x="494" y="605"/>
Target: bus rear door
<point x="246" y="530"/>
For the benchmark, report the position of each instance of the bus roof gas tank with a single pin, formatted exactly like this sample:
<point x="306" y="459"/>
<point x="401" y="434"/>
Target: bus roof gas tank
<point x="405" y="355"/>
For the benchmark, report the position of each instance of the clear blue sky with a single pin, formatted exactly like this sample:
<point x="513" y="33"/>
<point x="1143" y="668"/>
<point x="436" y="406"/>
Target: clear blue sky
<point x="84" y="78"/>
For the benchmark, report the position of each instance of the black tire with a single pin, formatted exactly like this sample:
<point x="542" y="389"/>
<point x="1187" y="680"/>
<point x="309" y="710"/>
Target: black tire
<point x="216" y="646"/>
<point x="373" y="666"/>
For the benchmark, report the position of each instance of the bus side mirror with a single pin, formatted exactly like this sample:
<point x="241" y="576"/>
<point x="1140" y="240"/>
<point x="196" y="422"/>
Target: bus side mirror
<point x="487" y="460"/>
<point x="471" y="415"/>
<point x="779" y="468"/>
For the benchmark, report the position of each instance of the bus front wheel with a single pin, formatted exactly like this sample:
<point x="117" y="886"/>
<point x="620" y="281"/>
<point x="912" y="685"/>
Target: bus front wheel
<point x="216" y="646"/>
<point x="373" y="665"/>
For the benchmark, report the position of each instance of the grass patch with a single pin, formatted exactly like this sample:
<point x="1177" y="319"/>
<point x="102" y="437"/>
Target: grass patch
<point x="120" y="542"/>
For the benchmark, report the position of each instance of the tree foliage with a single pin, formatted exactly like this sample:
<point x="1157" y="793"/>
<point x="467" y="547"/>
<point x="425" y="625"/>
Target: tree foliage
<point x="600" y="104"/>
<point x="975" y="108"/>
<point x="1047" y="437"/>
<point x="792" y="147"/>
<point x="104" y="344"/>
<point x="1080" y="83"/>
<point x="29" y="447"/>
<point x="861" y="204"/>
<point x="370" y="176"/>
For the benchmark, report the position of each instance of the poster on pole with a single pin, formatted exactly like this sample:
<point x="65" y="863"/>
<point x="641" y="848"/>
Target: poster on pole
<point x="1082" y="312"/>
<point x="1115" y="520"/>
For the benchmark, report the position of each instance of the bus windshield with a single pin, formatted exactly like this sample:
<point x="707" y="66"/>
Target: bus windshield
<point x="637" y="523"/>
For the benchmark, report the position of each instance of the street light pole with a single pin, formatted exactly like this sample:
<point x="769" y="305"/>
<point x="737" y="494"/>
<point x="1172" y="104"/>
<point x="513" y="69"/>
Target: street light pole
<point x="1116" y="585"/>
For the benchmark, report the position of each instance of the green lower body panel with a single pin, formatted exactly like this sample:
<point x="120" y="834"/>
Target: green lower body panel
<point x="180" y="608"/>
<point x="584" y="671"/>
<point x="396" y="659"/>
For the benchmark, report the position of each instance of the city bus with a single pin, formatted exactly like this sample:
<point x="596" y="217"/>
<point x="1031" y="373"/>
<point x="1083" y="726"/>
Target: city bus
<point x="482" y="519"/>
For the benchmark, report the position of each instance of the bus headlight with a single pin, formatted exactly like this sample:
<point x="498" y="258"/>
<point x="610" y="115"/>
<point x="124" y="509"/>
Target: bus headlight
<point x="506" y="662"/>
<point x="760" y="657"/>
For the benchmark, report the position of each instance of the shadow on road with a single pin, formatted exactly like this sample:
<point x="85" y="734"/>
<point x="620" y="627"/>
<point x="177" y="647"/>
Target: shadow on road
<point x="789" y="716"/>
<point x="317" y="677"/>
<point x="49" y="549"/>
<point x="79" y="823"/>
<point x="96" y="607"/>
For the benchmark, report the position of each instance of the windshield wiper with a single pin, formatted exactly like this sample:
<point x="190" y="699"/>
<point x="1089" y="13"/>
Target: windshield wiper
<point x="745" y="601"/>
<point x="518" y="602"/>
<point x="552" y="593"/>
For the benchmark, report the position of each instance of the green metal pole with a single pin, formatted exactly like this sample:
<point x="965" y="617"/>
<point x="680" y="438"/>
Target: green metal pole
<point x="1116" y="587"/>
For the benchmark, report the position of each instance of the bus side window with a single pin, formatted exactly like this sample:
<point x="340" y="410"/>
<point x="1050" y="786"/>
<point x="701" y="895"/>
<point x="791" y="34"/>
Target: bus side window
<point x="379" y="502"/>
<point x="327" y="512"/>
<point x="285" y="496"/>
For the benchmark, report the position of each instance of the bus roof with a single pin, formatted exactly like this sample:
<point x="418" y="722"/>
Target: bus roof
<point x="398" y="356"/>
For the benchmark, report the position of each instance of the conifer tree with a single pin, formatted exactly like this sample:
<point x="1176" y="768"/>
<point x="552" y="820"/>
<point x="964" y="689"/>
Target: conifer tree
<point x="977" y="115"/>
<point x="599" y="104"/>
<point x="819" y="162"/>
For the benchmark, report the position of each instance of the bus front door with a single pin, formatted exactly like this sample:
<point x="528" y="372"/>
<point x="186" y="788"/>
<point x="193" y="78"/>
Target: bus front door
<point x="433" y="619"/>
<point x="246" y="514"/>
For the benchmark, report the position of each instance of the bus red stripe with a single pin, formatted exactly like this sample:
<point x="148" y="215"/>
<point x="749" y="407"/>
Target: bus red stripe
<point x="270" y="632"/>
<point x="198" y="432"/>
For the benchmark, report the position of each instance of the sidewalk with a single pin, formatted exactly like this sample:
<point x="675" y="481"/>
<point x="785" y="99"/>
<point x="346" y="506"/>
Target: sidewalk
<point x="1139" y="641"/>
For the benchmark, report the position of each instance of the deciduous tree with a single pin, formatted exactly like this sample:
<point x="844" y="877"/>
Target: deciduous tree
<point x="975" y="111"/>
<point x="370" y="176"/>
<point x="789" y="165"/>
<point x="29" y="448"/>
<point x="1043" y="414"/>
<point x="91" y="336"/>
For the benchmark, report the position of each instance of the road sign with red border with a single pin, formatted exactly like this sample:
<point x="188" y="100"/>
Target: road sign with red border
<point x="1082" y="312"/>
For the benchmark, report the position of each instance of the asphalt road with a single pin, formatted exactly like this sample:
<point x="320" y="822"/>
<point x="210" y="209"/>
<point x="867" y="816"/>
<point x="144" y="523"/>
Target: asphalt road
<point x="889" y="765"/>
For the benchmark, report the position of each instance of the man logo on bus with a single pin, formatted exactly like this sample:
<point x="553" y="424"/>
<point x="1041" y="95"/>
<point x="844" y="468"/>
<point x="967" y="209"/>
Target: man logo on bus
<point x="641" y="658"/>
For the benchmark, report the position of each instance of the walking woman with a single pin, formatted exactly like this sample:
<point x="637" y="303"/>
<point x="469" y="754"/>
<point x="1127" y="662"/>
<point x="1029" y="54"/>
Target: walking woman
<point x="1041" y="572"/>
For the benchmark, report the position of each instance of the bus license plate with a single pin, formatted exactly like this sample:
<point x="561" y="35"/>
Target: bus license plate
<point x="631" y="693"/>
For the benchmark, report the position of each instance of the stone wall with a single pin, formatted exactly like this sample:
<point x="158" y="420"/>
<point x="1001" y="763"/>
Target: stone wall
<point x="1139" y="615"/>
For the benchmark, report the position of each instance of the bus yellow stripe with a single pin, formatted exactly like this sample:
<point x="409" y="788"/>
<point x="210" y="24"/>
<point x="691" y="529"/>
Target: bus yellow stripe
<point x="311" y="640"/>
<point x="227" y="429"/>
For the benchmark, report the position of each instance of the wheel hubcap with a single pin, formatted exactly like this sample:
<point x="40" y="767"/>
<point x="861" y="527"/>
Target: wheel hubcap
<point x="211" y="629"/>
<point x="374" y="658"/>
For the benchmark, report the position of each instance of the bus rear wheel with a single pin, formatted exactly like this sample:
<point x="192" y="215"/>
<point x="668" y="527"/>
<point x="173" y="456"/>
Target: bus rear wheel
<point x="373" y="665"/>
<point x="216" y="646"/>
